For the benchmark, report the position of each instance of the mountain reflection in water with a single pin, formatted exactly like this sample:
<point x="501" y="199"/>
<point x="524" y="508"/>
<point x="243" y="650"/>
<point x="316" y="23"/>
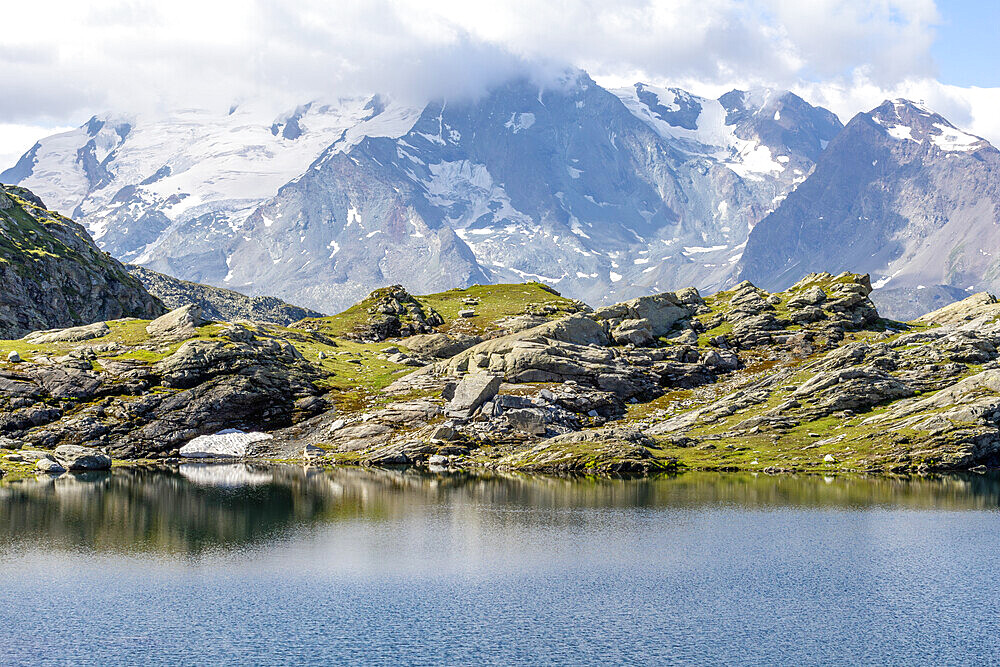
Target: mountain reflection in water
<point x="202" y="506"/>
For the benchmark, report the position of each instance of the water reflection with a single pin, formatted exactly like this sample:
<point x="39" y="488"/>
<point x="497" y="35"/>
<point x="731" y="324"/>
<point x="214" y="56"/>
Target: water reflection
<point x="200" y="507"/>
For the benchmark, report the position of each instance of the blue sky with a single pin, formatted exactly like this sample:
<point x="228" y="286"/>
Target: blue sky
<point x="967" y="47"/>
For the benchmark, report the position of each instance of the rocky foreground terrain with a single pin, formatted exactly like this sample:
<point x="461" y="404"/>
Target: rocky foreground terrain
<point x="518" y="377"/>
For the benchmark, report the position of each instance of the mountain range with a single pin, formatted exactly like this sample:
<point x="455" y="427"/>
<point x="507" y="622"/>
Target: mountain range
<point x="604" y="194"/>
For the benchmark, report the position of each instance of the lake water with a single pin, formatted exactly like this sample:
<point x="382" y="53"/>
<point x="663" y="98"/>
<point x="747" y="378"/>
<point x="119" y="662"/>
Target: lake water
<point x="236" y="564"/>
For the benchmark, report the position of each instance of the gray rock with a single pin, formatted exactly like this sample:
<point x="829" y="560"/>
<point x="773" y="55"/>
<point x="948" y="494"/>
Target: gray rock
<point x="467" y="313"/>
<point x="71" y="335"/>
<point x="810" y="297"/>
<point x="526" y="420"/>
<point x="49" y="466"/>
<point x="444" y="433"/>
<point x="75" y="457"/>
<point x="473" y="390"/>
<point x="178" y="324"/>
<point x="439" y="345"/>
<point x="661" y="311"/>
<point x="13" y="357"/>
<point x="34" y="455"/>
<point x="636" y="332"/>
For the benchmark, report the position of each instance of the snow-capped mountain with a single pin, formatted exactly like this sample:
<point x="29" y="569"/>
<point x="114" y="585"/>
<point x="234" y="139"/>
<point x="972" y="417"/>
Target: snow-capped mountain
<point x="604" y="194"/>
<point x="902" y="194"/>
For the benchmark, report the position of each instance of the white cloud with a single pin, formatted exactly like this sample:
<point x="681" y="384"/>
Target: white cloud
<point x="16" y="139"/>
<point x="63" y="61"/>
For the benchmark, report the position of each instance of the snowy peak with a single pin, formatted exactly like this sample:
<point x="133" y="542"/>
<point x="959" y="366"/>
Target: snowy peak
<point x="781" y="120"/>
<point x="763" y="134"/>
<point x="905" y="120"/>
<point x="673" y="106"/>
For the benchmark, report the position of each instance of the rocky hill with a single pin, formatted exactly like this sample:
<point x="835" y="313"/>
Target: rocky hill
<point x="217" y="303"/>
<point x="519" y="377"/>
<point x="53" y="275"/>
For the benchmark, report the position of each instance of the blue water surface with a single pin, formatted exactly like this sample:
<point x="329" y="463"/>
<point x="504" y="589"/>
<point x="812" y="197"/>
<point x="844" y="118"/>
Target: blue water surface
<point x="242" y="565"/>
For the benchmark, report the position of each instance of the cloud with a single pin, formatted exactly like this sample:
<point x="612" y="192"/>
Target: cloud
<point x="63" y="61"/>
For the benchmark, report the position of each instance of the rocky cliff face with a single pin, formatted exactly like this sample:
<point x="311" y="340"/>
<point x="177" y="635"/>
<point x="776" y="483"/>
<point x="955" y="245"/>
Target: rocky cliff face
<point x="901" y="194"/>
<point x="217" y="303"/>
<point x="53" y="274"/>
<point x="605" y="194"/>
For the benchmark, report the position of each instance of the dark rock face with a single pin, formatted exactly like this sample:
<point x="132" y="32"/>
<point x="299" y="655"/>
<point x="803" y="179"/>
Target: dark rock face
<point x="205" y="386"/>
<point x="217" y="303"/>
<point x="54" y="276"/>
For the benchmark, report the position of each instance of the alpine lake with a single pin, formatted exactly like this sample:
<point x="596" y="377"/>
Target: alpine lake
<point x="237" y="563"/>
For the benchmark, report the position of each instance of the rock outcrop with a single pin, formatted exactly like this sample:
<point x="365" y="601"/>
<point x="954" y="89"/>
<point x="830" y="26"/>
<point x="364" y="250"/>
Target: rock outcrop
<point x="53" y="275"/>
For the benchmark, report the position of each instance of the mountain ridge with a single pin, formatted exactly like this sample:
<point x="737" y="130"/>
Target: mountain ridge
<point x="510" y="187"/>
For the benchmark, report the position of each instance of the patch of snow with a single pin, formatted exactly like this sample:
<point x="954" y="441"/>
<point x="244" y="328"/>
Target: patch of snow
<point x="615" y="277"/>
<point x="901" y="132"/>
<point x="228" y="443"/>
<point x="692" y="250"/>
<point x="953" y="139"/>
<point x="520" y="121"/>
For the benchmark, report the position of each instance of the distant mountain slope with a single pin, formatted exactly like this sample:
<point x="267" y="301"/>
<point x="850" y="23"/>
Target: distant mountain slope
<point x="901" y="194"/>
<point x="217" y="303"/>
<point x="54" y="276"/>
<point x="605" y="194"/>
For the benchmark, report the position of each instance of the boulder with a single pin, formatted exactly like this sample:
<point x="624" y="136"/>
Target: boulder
<point x="49" y="466"/>
<point x="526" y="420"/>
<point x="439" y="345"/>
<point x="34" y="455"/>
<point x="662" y="311"/>
<point x="71" y="335"/>
<point x="178" y="324"/>
<point x="13" y="357"/>
<point x="75" y="457"/>
<point x="810" y="297"/>
<point x="230" y="443"/>
<point x="636" y="332"/>
<point x="473" y="390"/>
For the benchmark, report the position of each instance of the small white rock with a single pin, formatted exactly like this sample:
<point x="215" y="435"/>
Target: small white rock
<point x="829" y="458"/>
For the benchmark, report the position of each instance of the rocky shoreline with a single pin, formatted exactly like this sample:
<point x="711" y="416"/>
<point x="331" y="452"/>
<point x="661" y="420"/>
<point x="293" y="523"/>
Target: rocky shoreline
<point x="515" y="377"/>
